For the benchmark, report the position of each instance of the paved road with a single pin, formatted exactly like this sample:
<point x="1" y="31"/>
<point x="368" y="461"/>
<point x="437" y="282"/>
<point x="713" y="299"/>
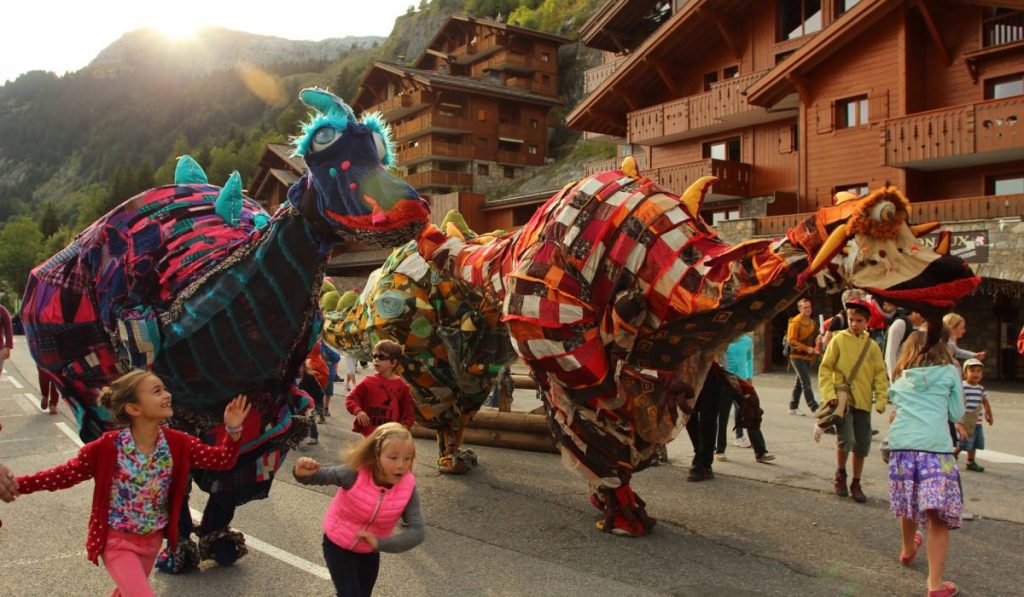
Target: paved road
<point x="520" y="524"/>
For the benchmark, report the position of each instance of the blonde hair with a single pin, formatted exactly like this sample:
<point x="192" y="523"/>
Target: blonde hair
<point x="917" y="353"/>
<point x="390" y="348"/>
<point x="122" y="392"/>
<point x="367" y="453"/>
<point x="952" y="320"/>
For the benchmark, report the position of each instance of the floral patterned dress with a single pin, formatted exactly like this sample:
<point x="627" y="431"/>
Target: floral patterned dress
<point x="140" y="488"/>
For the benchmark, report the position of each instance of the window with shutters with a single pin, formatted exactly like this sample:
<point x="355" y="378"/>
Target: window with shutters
<point x="851" y="112"/>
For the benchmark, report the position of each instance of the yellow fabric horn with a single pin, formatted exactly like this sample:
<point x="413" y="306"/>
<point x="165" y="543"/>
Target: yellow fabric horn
<point x="833" y="244"/>
<point x="920" y="230"/>
<point x="693" y="196"/>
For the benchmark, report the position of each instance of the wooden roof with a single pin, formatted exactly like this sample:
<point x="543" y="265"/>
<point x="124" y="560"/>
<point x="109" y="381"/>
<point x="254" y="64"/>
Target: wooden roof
<point x="617" y="25"/>
<point x="645" y="77"/>
<point x="430" y="80"/>
<point x="784" y="78"/>
<point x="462" y="22"/>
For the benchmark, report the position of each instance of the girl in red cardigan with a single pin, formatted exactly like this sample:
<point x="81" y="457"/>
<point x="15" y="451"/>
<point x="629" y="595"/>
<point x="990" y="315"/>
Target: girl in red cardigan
<point x="140" y="473"/>
<point x="376" y="487"/>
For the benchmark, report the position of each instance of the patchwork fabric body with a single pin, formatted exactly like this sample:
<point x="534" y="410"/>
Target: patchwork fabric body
<point x="454" y="343"/>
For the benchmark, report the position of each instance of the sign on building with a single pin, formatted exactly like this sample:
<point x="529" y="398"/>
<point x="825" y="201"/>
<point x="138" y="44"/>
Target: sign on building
<point x="969" y="245"/>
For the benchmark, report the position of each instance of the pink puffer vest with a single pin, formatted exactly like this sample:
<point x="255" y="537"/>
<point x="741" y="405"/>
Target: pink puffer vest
<point x="368" y="506"/>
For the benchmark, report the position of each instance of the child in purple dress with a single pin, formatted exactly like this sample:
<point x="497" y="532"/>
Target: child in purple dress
<point x="924" y="483"/>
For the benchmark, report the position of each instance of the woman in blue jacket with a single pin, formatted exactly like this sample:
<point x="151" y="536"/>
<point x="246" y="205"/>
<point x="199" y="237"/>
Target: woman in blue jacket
<point x="924" y="483"/>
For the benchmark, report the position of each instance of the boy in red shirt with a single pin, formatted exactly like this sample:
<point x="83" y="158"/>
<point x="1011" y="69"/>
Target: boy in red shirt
<point x="383" y="396"/>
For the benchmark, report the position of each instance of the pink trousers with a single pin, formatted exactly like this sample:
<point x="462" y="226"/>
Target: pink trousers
<point x="129" y="560"/>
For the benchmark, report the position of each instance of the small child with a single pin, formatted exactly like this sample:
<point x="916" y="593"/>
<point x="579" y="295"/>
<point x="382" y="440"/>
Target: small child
<point x="375" y="488"/>
<point x="332" y="359"/>
<point x="383" y="396"/>
<point x="141" y="474"/>
<point x="976" y="408"/>
<point x="308" y="383"/>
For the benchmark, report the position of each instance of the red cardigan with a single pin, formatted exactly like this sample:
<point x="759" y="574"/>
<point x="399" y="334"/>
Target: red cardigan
<point x="97" y="459"/>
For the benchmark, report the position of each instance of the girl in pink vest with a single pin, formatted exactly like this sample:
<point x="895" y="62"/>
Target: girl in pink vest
<point x="376" y="487"/>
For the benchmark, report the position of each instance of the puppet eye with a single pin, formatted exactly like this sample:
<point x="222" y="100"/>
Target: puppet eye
<point x="323" y="137"/>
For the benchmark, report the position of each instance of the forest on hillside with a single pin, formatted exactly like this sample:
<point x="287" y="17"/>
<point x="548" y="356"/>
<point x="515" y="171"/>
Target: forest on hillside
<point x="72" y="147"/>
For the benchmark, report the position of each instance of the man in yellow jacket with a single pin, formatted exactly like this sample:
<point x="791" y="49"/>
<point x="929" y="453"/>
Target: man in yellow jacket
<point x="802" y="337"/>
<point x="853" y="434"/>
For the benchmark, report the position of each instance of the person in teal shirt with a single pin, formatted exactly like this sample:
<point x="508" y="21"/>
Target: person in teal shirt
<point x="739" y="360"/>
<point x="924" y="483"/>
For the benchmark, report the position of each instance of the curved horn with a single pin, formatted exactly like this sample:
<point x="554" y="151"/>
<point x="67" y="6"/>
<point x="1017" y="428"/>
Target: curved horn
<point x="920" y="230"/>
<point x="834" y="242"/>
<point x="943" y="243"/>
<point x="693" y="196"/>
<point x="629" y="167"/>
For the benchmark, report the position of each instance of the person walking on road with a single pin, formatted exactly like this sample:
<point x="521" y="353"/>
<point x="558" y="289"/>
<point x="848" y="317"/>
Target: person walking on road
<point x="853" y="364"/>
<point x="376" y="487"/>
<point x="141" y="474"/>
<point x="6" y="335"/>
<point x="800" y="336"/>
<point x="739" y="360"/>
<point x="924" y="483"/>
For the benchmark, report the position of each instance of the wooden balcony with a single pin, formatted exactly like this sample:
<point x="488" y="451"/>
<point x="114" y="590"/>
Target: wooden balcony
<point x="402" y="105"/>
<point x="946" y="211"/>
<point x="1003" y="29"/>
<point x="966" y="135"/>
<point x="721" y="108"/>
<point x="593" y="77"/>
<point x="510" y="61"/>
<point x="435" y="150"/>
<point x="734" y="177"/>
<point x="432" y="123"/>
<point x="440" y="178"/>
<point x="592" y="168"/>
<point x="519" y="158"/>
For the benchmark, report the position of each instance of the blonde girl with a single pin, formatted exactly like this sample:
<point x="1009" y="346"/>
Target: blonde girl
<point x="924" y="483"/>
<point x="376" y="487"/>
<point x="140" y="474"/>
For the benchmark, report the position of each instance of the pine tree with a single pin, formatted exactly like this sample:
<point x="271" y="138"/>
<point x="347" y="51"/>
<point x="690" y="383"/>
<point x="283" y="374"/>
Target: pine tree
<point x="49" y="221"/>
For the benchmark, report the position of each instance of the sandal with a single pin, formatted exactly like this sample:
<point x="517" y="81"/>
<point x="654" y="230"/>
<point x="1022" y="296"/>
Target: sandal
<point x="907" y="560"/>
<point x="949" y="589"/>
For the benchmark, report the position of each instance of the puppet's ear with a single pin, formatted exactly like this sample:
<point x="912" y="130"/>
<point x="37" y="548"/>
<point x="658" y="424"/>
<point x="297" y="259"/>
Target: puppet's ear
<point x="188" y="171"/>
<point x="229" y="202"/>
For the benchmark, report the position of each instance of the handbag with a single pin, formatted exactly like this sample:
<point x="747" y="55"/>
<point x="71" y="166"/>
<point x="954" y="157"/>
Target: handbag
<point x="830" y="413"/>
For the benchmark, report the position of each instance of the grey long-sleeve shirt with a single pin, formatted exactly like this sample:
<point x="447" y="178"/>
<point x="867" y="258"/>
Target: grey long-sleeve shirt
<point x="344" y="477"/>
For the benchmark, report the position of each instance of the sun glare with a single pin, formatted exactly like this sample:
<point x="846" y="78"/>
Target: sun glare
<point x="178" y="30"/>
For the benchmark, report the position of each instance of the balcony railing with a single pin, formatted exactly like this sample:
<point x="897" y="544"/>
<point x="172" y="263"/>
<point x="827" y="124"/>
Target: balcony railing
<point x="593" y="77"/>
<point x="440" y="178"/>
<point x="958" y="134"/>
<point x="592" y="168"/>
<point x="693" y="115"/>
<point x="435" y="149"/>
<point x="734" y="177"/>
<point x="1005" y="28"/>
<point x="404" y="104"/>
<point x="432" y="122"/>
<point x="989" y="207"/>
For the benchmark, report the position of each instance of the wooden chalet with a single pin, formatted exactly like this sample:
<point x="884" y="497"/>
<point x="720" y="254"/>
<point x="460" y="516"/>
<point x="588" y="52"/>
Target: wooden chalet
<point x="277" y="170"/>
<point x="472" y="112"/>
<point x="791" y="101"/>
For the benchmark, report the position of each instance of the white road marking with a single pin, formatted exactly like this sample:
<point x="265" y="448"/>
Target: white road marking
<point x="29" y="562"/>
<point x="999" y="457"/>
<point x="66" y="430"/>
<point x="14" y="382"/>
<point x="261" y="546"/>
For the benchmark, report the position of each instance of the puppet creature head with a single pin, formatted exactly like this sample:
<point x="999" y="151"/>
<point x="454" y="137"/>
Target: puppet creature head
<point x="868" y="243"/>
<point x="348" y="159"/>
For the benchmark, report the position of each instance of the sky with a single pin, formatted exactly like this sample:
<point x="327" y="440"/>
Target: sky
<point x="63" y="36"/>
